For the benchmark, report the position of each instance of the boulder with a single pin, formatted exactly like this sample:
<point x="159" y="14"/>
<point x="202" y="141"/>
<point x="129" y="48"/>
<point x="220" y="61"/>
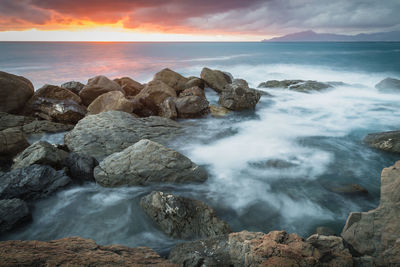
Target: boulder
<point x="191" y="106"/>
<point x="114" y="100"/>
<point x="376" y="233"/>
<point x="387" y="141"/>
<point x="182" y="217"/>
<point x="97" y="86"/>
<point x="76" y="251"/>
<point x="54" y="92"/>
<point x="240" y="83"/>
<point x="296" y="85"/>
<point x="15" y="91"/>
<point x="42" y="153"/>
<point x="33" y="182"/>
<point x="9" y="120"/>
<point x="168" y="109"/>
<point x="12" y="141"/>
<point x="215" y="79"/>
<point x="388" y="85"/>
<point x="194" y="81"/>
<point x="105" y="133"/>
<point x="80" y="167"/>
<point x="218" y="111"/>
<point x="73" y="86"/>
<point x="147" y="162"/>
<point x="193" y="91"/>
<point x="13" y="212"/>
<point x="172" y="79"/>
<point x="235" y="97"/>
<point x="130" y="87"/>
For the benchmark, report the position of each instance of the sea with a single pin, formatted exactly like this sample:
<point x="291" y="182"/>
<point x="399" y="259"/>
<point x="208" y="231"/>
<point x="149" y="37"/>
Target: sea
<point x="277" y="167"/>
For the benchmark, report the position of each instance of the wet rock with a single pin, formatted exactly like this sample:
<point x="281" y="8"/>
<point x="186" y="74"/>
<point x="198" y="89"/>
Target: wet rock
<point x="193" y="91"/>
<point x="182" y="217"/>
<point x="388" y="85"/>
<point x="33" y="182"/>
<point x="296" y="85"/>
<point x="80" y="167"/>
<point x="13" y="212"/>
<point x="168" y="109"/>
<point x="215" y="79"/>
<point x="387" y="141"/>
<point x="131" y="87"/>
<point x="352" y="189"/>
<point x="172" y="79"/>
<point x="191" y="106"/>
<point x="240" y="83"/>
<point x="273" y="163"/>
<point x="279" y="84"/>
<point x="147" y="162"/>
<point x="15" y="92"/>
<point x="218" y="111"/>
<point x="76" y="251"/>
<point x="12" y="141"/>
<point x="114" y="100"/>
<point x="376" y="232"/>
<point x="9" y="121"/>
<point x="324" y="230"/>
<point x="97" y="86"/>
<point x="42" y="153"/>
<point x="73" y="86"/>
<point x="235" y="97"/>
<point x="54" y="92"/>
<point x="108" y="132"/>
<point x="195" y="82"/>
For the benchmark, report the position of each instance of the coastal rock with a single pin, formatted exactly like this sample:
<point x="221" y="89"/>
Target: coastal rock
<point x="193" y="91"/>
<point x="42" y="153"/>
<point x="324" y="230"/>
<point x="13" y="212"/>
<point x="387" y="141"/>
<point x="114" y="100"/>
<point x="218" y="111"/>
<point x="235" y="97"/>
<point x="147" y="162"/>
<point x="9" y="120"/>
<point x="172" y="79"/>
<point x="33" y="182"/>
<point x="194" y="81"/>
<point x="65" y="111"/>
<point x="54" y="92"/>
<point x="191" y="106"/>
<point x="97" y="86"/>
<point x="168" y="109"/>
<point x="388" y="85"/>
<point x="240" y="83"/>
<point x="15" y="92"/>
<point x="73" y="86"/>
<point x="182" y="217"/>
<point x="130" y="87"/>
<point x="80" y="167"/>
<point x="12" y="141"/>
<point x="349" y="189"/>
<point x="215" y="79"/>
<point x="279" y="84"/>
<point x="76" y="251"/>
<point x="376" y="233"/>
<point x="105" y="133"/>
<point x="296" y="85"/>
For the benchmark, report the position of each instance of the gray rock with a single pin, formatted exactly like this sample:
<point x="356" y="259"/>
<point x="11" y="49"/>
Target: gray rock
<point x="108" y="132"/>
<point x="182" y="217"/>
<point x="235" y="97"/>
<point x="296" y="85"/>
<point x="388" y="85"/>
<point x="9" y="120"/>
<point x="15" y="92"/>
<point x="12" y="141"/>
<point x="80" y="166"/>
<point x="324" y="230"/>
<point x="42" y="153"/>
<point x="33" y="182"/>
<point x="147" y="162"/>
<point x="387" y="141"/>
<point x="73" y="86"/>
<point x="168" y="109"/>
<point x="240" y="83"/>
<point x="13" y="212"/>
<point x="192" y="106"/>
<point x="215" y="79"/>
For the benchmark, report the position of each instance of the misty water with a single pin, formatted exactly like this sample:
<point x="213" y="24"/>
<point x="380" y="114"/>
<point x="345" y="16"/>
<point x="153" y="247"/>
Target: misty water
<point x="269" y="169"/>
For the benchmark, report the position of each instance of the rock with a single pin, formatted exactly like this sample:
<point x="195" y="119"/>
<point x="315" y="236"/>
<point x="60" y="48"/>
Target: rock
<point x="388" y="85"/>
<point x="324" y="230"/>
<point x="182" y="217"/>
<point x="76" y="251"/>
<point x="218" y="111"/>
<point x="73" y="86"/>
<point x="114" y="100"/>
<point x="194" y="81"/>
<point x="108" y="132"/>
<point x="97" y="86"/>
<point x="193" y="91"/>
<point x="172" y="79"/>
<point x="13" y="212"/>
<point x="147" y="162"/>
<point x="279" y="84"/>
<point x="168" y="109"/>
<point x="54" y="92"/>
<point x="43" y="126"/>
<point x="80" y="167"/>
<point x="131" y="87"/>
<point x="65" y="111"/>
<point x="15" y="91"/>
<point x="387" y="141"/>
<point x="33" y="182"/>
<point x="9" y="121"/>
<point x="240" y="83"/>
<point x="42" y="153"/>
<point x="12" y="141"/>
<point x="215" y="79"/>
<point x="376" y="232"/>
<point x="296" y="85"/>
<point x="273" y="163"/>
<point x="238" y="98"/>
<point x="353" y="189"/>
<point x="191" y="106"/>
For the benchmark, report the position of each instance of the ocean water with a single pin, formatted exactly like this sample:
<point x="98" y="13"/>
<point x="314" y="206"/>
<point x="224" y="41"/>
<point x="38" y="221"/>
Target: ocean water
<point x="318" y="136"/>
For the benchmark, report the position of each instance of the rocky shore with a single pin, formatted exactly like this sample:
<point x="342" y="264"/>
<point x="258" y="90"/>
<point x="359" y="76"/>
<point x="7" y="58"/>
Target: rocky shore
<point x="117" y="135"/>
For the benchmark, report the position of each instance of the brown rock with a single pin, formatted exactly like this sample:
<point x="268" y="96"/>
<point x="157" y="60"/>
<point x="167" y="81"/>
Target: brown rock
<point x="218" y="111"/>
<point x="15" y="91"/>
<point x="350" y="189"/>
<point x="194" y="81"/>
<point x="168" y="109"/>
<point x="215" y="79"/>
<point x="97" y="86"/>
<point x="195" y="90"/>
<point x="171" y="78"/>
<point x="114" y="100"/>
<point x="73" y="86"/>
<point x="56" y="93"/>
<point x="235" y="97"/>
<point x="75" y="251"/>
<point x="191" y="106"/>
<point x="12" y="141"/>
<point x="131" y="87"/>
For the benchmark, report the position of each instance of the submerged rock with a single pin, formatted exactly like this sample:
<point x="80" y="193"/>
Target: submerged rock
<point x="15" y="92"/>
<point x="12" y="141"/>
<point x="147" y="162"/>
<point x="13" y="212"/>
<point x="108" y="132"/>
<point x="350" y="189"/>
<point x="215" y="79"/>
<point x="33" y="182"/>
<point x="182" y="217"/>
<point x="76" y="251"/>
<point x="130" y="87"/>
<point x="80" y="167"/>
<point x="73" y="86"/>
<point x="387" y="141"/>
<point x="172" y="79"/>
<point x="388" y="85"/>
<point x="218" y="111"/>
<point x="97" y="86"/>
<point x="235" y="97"/>
<point x="114" y="100"/>
<point x="296" y="85"/>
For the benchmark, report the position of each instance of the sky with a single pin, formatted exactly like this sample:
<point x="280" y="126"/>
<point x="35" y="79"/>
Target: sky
<point x="189" y="20"/>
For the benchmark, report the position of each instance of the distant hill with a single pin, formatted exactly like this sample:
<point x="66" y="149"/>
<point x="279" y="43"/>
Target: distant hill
<point x="311" y="36"/>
